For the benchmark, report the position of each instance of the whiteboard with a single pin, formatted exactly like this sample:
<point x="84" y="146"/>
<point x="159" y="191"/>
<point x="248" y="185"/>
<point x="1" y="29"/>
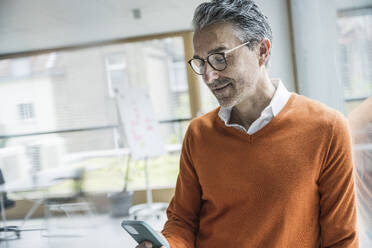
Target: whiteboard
<point x="140" y="125"/>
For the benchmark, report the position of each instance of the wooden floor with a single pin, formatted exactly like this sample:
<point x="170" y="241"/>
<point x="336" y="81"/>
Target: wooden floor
<point x="83" y="231"/>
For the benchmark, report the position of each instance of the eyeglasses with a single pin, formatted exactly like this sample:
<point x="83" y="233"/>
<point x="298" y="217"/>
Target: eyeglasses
<point x="216" y="60"/>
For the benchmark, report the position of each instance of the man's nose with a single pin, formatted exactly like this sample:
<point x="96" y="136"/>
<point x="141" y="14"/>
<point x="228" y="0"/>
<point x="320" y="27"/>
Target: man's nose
<point x="210" y="74"/>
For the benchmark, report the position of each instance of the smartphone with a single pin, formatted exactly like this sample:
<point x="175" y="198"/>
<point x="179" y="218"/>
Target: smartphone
<point x="141" y="231"/>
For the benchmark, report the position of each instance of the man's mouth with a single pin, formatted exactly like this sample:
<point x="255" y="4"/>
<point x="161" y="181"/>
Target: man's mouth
<point x="220" y="88"/>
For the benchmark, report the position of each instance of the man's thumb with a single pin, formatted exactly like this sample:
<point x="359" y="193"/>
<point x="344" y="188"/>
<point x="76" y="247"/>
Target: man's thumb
<point x="148" y="244"/>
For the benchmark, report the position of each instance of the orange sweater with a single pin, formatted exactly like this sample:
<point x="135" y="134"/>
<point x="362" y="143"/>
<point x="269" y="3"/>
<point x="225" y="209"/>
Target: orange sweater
<point x="288" y="185"/>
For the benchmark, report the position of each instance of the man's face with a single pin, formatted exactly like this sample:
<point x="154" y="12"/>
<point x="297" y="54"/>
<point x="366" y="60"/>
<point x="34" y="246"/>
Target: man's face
<point x="237" y="82"/>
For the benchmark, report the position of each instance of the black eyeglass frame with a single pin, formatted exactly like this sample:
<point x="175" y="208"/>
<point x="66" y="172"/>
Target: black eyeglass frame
<point x="223" y="54"/>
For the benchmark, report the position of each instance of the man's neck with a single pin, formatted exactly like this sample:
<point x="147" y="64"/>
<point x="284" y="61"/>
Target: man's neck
<point x="246" y="112"/>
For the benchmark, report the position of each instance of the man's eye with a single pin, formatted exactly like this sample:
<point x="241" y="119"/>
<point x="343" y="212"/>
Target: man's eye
<point x="219" y="59"/>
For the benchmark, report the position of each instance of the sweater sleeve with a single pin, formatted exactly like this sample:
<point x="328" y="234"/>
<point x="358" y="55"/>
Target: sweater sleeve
<point x="183" y="211"/>
<point x="336" y="188"/>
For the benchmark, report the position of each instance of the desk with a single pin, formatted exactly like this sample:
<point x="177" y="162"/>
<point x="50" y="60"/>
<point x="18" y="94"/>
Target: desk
<point x="38" y="182"/>
<point x="107" y="232"/>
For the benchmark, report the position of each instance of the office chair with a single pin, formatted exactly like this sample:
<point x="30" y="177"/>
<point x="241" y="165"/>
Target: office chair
<point x="8" y="203"/>
<point x="69" y="206"/>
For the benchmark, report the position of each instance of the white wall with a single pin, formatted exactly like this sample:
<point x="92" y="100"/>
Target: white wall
<point x="315" y="43"/>
<point x="281" y="57"/>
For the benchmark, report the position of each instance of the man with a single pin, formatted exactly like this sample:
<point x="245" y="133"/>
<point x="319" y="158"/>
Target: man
<point x="267" y="168"/>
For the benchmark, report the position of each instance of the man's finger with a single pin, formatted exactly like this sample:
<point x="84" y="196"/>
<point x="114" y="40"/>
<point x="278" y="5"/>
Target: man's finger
<point x="145" y="244"/>
<point x="148" y="244"/>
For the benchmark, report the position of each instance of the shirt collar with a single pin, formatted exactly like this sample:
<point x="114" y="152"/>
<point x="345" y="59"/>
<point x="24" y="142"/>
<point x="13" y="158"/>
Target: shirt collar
<point x="280" y="98"/>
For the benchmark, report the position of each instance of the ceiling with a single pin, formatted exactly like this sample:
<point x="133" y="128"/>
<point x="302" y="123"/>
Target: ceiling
<point x="27" y="25"/>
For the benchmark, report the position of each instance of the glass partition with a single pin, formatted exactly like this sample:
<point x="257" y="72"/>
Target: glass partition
<point x="57" y="110"/>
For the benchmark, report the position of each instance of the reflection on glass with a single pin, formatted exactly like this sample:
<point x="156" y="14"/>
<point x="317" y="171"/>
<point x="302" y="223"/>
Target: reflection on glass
<point x="361" y="127"/>
<point x="355" y="55"/>
<point x="75" y="90"/>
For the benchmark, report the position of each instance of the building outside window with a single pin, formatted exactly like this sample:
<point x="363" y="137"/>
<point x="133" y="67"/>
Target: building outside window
<point x="73" y="92"/>
<point x="116" y="71"/>
<point x="355" y="55"/>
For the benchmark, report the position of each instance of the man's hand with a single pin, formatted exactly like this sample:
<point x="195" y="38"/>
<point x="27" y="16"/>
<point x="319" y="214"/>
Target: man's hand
<point x="146" y="244"/>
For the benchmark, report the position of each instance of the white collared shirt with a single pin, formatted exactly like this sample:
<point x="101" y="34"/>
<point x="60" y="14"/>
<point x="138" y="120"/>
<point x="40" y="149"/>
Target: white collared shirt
<point x="278" y="101"/>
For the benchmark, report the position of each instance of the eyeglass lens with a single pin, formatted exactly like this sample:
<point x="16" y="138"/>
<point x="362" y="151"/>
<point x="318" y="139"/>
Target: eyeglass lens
<point x="217" y="61"/>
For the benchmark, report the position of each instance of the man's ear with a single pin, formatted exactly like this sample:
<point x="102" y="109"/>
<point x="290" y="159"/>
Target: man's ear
<point x="264" y="51"/>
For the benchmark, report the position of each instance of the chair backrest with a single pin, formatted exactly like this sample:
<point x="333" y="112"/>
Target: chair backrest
<point x="8" y="203"/>
<point x="2" y="181"/>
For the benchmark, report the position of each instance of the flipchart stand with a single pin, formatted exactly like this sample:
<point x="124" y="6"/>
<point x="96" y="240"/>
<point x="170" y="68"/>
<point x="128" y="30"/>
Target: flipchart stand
<point x="137" y="120"/>
<point x="148" y="209"/>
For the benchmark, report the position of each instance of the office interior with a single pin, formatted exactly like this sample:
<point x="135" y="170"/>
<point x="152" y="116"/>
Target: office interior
<point x="63" y="65"/>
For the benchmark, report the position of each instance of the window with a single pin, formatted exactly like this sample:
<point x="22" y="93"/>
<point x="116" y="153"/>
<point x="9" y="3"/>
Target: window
<point x="208" y="100"/>
<point x="34" y="155"/>
<point x="178" y="81"/>
<point x="355" y="55"/>
<point x="73" y="92"/>
<point x="116" y="72"/>
<point x="26" y="111"/>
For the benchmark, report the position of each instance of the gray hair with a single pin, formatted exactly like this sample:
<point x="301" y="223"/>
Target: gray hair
<point x="250" y="23"/>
